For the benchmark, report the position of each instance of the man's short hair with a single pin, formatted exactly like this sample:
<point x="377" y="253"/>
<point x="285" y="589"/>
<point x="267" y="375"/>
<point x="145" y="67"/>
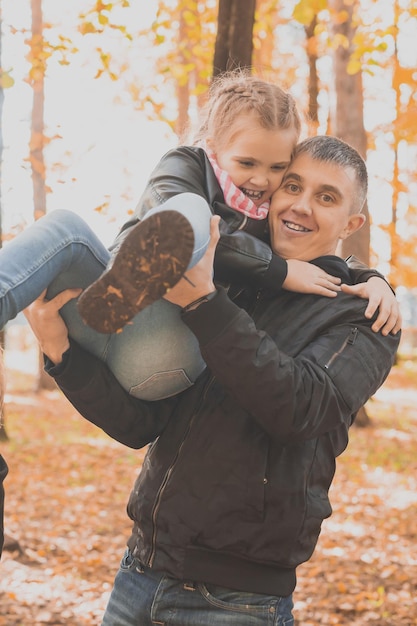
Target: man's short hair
<point x="330" y="149"/>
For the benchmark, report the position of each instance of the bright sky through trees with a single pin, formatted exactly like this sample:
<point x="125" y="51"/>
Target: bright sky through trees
<point x="102" y="150"/>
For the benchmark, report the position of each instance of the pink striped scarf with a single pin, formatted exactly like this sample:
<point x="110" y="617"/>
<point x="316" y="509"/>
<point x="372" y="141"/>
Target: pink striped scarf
<point x="235" y="198"/>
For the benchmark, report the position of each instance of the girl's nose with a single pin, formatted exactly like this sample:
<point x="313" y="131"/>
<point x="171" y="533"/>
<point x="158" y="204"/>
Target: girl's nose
<point x="260" y="179"/>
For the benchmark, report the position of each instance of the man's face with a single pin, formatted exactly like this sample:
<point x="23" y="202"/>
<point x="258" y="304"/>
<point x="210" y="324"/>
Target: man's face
<point x="312" y="209"/>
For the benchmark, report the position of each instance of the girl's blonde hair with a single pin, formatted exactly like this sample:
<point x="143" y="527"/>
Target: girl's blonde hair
<point x="235" y="94"/>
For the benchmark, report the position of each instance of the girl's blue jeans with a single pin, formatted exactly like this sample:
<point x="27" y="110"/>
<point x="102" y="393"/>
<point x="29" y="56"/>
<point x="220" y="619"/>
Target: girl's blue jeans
<point x="141" y="596"/>
<point x="154" y="357"/>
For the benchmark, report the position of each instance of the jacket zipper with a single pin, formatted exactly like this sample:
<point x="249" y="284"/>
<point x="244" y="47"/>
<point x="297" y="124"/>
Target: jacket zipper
<point x="169" y="471"/>
<point x="350" y="340"/>
<point x="167" y="477"/>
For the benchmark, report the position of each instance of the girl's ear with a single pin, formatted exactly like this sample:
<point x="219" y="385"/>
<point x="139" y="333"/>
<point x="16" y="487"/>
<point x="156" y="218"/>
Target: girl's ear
<point x="355" y="222"/>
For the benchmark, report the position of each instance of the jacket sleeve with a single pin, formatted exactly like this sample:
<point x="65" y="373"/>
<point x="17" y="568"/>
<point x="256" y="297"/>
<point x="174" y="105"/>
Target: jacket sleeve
<point x="360" y="272"/>
<point x="245" y="261"/>
<point x="96" y="394"/>
<point x="293" y="397"/>
<point x="243" y="256"/>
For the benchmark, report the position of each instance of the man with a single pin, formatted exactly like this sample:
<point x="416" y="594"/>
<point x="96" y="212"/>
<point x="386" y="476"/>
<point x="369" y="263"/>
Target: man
<point x="234" y="487"/>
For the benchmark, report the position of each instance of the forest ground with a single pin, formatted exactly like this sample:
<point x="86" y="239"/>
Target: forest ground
<point x="65" y="510"/>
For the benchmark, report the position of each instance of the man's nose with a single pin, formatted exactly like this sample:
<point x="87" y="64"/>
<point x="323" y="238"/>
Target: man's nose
<point x="301" y="204"/>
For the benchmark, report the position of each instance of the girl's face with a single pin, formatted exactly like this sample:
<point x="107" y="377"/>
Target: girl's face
<point x="255" y="158"/>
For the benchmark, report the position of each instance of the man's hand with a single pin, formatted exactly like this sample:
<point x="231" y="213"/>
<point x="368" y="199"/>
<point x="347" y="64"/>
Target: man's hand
<point x="48" y="326"/>
<point x="380" y="297"/>
<point x="198" y="281"/>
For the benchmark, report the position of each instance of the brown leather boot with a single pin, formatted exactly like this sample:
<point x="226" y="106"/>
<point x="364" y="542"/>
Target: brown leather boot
<point x="149" y="262"/>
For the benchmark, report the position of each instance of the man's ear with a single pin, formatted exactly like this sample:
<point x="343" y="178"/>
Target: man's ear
<point x="355" y="222"/>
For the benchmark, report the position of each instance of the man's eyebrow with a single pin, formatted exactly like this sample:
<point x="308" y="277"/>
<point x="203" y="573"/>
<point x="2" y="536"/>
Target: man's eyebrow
<point x="332" y="189"/>
<point x="292" y="175"/>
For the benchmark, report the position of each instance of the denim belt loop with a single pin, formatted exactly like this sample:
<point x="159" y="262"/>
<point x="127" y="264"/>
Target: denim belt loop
<point x="189" y="586"/>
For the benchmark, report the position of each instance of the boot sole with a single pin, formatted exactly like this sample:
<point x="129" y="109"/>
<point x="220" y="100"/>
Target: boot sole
<point x="149" y="262"/>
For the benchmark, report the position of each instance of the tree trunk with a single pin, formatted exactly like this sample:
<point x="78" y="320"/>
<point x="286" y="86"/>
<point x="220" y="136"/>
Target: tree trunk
<point x="3" y="432"/>
<point x="348" y="125"/>
<point x="37" y="76"/>
<point x="234" y="41"/>
<point x="347" y="120"/>
<point x="183" y="87"/>
<point x="313" y="79"/>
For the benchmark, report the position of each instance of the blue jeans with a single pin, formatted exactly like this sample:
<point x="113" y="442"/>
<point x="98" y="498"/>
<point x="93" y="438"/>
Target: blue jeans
<point x="143" y="597"/>
<point x="155" y="356"/>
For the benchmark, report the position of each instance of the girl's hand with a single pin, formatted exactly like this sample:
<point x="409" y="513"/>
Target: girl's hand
<point x="305" y="277"/>
<point x="381" y="297"/>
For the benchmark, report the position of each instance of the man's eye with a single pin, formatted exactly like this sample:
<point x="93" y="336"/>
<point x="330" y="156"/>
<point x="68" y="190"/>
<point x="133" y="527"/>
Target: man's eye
<point x="292" y="187"/>
<point x="326" y="198"/>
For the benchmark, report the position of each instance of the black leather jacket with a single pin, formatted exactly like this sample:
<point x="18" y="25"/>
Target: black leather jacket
<point x="234" y="486"/>
<point x="243" y="255"/>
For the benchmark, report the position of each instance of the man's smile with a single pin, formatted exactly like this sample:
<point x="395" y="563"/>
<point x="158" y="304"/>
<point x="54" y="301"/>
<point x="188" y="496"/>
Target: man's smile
<point x="296" y="227"/>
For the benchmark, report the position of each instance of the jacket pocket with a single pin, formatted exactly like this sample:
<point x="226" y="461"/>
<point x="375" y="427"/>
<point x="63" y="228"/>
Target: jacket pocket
<point x="357" y="365"/>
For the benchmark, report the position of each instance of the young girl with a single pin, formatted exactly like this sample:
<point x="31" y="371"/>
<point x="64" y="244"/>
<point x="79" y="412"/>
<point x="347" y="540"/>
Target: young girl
<point x="243" y="148"/>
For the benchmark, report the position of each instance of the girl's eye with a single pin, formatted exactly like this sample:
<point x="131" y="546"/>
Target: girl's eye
<point x="279" y="168"/>
<point x="246" y="163"/>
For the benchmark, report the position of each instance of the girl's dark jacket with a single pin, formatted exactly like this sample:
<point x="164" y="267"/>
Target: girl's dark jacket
<point x="234" y="486"/>
<point x="243" y="255"/>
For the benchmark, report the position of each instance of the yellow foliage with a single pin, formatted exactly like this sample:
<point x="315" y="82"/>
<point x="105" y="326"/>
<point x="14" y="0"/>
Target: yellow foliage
<point x="354" y="66"/>
<point x="103" y="19"/>
<point x="86" y="28"/>
<point x="6" y="81"/>
<point x="306" y="10"/>
<point x="340" y="17"/>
